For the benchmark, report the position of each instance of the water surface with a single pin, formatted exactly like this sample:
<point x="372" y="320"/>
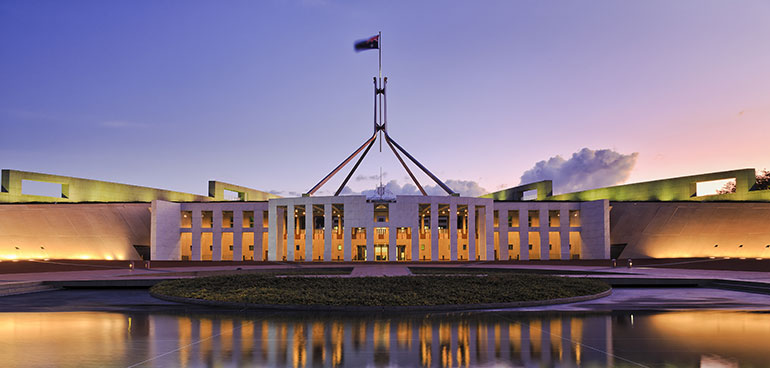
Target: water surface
<point x="700" y="338"/>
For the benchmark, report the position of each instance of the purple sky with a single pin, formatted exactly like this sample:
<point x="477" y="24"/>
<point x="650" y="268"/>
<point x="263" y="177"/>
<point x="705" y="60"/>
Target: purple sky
<point x="269" y="94"/>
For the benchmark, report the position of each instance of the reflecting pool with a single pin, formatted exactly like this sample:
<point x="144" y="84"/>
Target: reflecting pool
<point x="494" y="338"/>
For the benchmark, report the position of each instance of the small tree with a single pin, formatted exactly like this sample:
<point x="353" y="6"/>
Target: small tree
<point x="763" y="182"/>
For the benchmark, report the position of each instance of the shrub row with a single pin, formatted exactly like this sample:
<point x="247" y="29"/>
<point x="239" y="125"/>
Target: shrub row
<point x="379" y="291"/>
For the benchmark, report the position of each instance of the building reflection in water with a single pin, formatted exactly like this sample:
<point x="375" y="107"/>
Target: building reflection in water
<point x="444" y="340"/>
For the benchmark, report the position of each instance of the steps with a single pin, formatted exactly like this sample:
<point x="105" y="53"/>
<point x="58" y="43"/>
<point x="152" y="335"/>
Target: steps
<point x="24" y="287"/>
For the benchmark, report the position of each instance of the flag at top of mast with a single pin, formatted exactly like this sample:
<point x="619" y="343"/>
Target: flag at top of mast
<point x="368" y="44"/>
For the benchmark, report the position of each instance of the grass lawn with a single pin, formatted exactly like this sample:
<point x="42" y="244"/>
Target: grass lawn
<point x="379" y="291"/>
<point x="494" y="270"/>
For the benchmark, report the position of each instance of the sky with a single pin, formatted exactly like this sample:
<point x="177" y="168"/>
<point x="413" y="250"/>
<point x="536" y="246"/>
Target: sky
<point x="270" y="94"/>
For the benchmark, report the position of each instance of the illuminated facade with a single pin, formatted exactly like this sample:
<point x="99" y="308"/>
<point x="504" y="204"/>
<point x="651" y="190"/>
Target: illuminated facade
<point x="660" y="219"/>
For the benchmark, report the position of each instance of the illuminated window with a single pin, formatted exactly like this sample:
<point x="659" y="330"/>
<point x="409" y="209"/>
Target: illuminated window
<point x="227" y="219"/>
<point x="339" y="246"/>
<point x="574" y="218"/>
<point x="187" y="219"/>
<point x="251" y="247"/>
<point x="248" y="219"/>
<point x="207" y="219"/>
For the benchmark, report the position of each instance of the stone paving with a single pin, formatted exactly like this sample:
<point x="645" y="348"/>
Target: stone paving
<point x="383" y="269"/>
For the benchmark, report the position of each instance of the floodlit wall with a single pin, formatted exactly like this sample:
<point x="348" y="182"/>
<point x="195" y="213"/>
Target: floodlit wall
<point x="686" y="229"/>
<point x="73" y="231"/>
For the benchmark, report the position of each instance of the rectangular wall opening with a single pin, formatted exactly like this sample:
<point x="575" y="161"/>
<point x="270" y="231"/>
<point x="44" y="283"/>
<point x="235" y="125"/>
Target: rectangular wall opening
<point x="207" y="219"/>
<point x="42" y="188"/>
<point x="554" y="219"/>
<point x="227" y="219"/>
<point x="228" y="246"/>
<point x="714" y="187"/>
<point x="185" y="245"/>
<point x="231" y="195"/>
<point x="513" y="218"/>
<point x="358" y="243"/>
<point x="514" y="247"/>
<point x="574" y="218"/>
<point x="529" y="195"/>
<point x="247" y="247"/>
<point x="248" y="219"/>
<point x="554" y="245"/>
<point x="533" y="218"/>
<point x="186" y="219"/>
<point x="534" y="245"/>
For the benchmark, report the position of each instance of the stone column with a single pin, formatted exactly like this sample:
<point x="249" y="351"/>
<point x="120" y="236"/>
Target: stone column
<point x="502" y="231"/>
<point x="273" y="232"/>
<point x="392" y="249"/>
<point x="544" y="235"/>
<point x="346" y="237"/>
<point x="471" y="232"/>
<point x="564" y="233"/>
<point x="489" y="230"/>
<point x="238" y="235"/>
<point x="416" y="234"/>
<point x="196" y="252"/>
<point x="309" y="231"/>
<point x="328" y="232"/>
<point x="524" y="233"/>
<point x="290" y="224"/>
<point x="216" y="238"/>
<point x="453" y="231"/>
<point x="370" y="242"/>
<point x="434" y="231"/>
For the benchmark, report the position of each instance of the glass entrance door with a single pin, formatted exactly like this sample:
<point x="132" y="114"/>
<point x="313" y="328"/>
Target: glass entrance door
<point x="401" y="252"/>
<point x="380" y="252"/>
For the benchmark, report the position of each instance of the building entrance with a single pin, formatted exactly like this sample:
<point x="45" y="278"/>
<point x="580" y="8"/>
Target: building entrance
<point x="380" y="252"/>
<point x="401" y="252"/>
<point x="361" y="253"/>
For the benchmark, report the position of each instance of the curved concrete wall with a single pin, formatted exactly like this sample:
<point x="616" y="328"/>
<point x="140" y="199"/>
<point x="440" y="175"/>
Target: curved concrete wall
<point x="73" y="231"/>
<point x="690" y="229"/>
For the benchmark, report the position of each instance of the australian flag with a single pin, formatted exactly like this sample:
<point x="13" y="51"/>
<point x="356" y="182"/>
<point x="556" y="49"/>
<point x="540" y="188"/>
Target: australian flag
<point x="367" y="44"/>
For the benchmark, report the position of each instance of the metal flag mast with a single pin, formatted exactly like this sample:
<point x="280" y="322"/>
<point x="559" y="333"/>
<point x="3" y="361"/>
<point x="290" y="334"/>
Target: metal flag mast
<point x="381" y="127"/>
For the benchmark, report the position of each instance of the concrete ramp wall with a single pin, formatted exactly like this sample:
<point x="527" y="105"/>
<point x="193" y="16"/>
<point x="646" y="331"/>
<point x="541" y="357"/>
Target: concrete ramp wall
<point x="73" y="231"/>
<point x="682" y="229"/>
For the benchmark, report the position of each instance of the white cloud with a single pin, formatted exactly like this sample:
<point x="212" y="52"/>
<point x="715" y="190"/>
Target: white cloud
<point x="586" y="169"/>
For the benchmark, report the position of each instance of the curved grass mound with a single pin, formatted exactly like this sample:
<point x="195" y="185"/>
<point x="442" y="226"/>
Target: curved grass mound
<point x="398" y="291"/>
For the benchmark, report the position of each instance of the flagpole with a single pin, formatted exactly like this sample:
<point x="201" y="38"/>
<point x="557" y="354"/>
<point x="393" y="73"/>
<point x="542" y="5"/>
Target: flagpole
<point x="379" y="50"/>
<point x="379" y="54"/>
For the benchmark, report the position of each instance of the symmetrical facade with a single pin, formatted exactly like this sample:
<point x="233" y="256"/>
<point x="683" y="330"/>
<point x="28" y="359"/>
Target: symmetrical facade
<point x="664" y="219"/>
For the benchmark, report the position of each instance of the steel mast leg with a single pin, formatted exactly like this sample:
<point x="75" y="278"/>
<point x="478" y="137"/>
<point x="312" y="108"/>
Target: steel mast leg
<point x="423" y="168"/>
<point x="339" y="167"/>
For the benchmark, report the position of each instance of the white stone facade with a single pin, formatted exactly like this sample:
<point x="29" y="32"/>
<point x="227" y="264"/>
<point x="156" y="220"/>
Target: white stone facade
<point x="407" y="228"/>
